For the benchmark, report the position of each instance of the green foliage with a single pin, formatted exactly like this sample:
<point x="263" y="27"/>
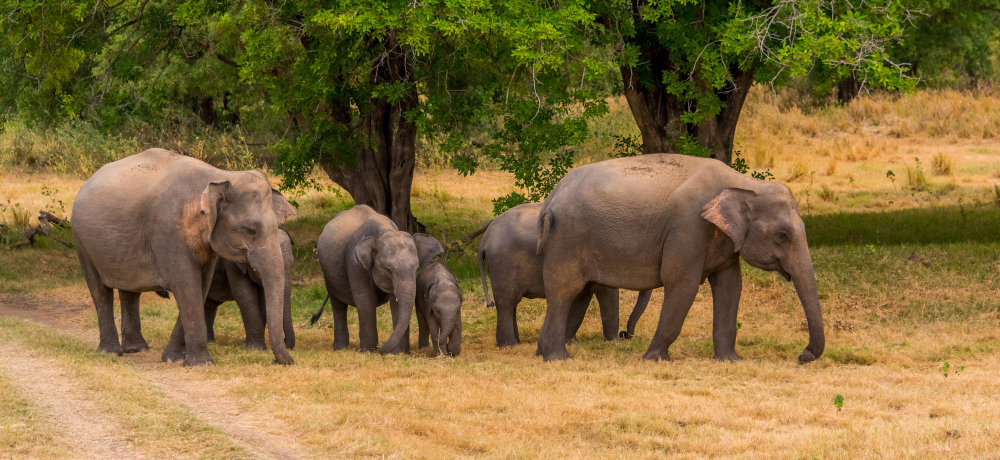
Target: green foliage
<point x="740" y="165"/>
<point x="838" y="401"/>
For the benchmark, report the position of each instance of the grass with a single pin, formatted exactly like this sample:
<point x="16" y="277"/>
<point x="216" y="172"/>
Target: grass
<point x="24" y="432"/>
<point x="908" y="279"/>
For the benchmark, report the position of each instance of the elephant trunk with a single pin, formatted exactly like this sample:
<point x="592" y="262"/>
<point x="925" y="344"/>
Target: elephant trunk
<point x="268" y="263"/>
<point x="405" y="292"/>
<point x="446" y="339"/>
<point x="802" y="274"/>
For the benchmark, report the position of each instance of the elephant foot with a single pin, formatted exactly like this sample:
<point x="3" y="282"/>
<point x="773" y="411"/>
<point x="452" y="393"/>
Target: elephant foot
<point x="283" y="358"/>
<point x="508" y="342"/>
<point x="624" y="335"/>
<point x="806" y="357"/>
<point x="657" y="355"/>
<point x="135" y="345"/>
<point x="198" y="359"/>
<point x="172" y="354"/>
<point x="255" y="344"/>
<point x="290" y="343"/>
<point x="369" y="348"/>
<point x="556" y="355"/>
<point x="210" y="335"/>
<point x="729" y="356"/>
<point x="396" y="351"/>
<point x="113" y="348"/>
<point x="571" y="339"/>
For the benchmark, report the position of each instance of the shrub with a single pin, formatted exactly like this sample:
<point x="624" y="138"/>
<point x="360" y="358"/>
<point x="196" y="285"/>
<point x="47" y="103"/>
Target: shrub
<point x="941" y="165"/>
<point x="799" y="170"/>
<point x="916" y="179"/>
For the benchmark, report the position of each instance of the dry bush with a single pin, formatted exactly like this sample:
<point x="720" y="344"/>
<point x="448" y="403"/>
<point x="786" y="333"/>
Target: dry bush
<point x="916" y="179"/>
<point x="941" y="165"/>
<point x="826" y="193"/>
<point x="831" y="167"/>
<point x="799" y="170"/>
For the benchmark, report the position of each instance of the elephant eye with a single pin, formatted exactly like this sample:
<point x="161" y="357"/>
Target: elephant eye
<point x="250" y="230"/>
<point x="782" y="237"/>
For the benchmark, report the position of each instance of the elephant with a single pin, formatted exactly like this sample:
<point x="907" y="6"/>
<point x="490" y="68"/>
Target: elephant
<point x="508" y="249"/>
<point x="234" y="281"/>
<point x="159" y="221"/>
<point x="367" y="261"/>
<point x="672" y="221"/>
<point x="439" y="309"/>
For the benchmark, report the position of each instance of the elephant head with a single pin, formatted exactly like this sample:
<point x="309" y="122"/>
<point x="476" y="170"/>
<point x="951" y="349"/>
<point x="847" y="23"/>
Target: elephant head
<point x="244" y="215"/>
<point x="445" y="301"/>
<point x="392" y="259"/>
<point x="769" y="234"/>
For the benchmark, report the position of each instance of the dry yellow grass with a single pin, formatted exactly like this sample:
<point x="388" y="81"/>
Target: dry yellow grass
<point x="905" y="288"/>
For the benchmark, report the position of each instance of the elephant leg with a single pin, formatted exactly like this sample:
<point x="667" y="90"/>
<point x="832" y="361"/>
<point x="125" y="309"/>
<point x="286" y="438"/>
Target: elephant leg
<point x="435" y="333"/>
<point x="104" y="298"/>
<point x="678" y="295"/>
<point x="637" y="311"/>
<point x="249" y="298"/>
<point x="552" y="338"/>
<point x="506" y="306"/>
<point x="423" y="330"/>
<point x="132" y="340"/>
<point x="175" y="349"/>
<point x="607" y="300"/>
<point x="190" y="336"/>
<point x="578" y="310"/>
<point x="727" y="285"/>
<point x="211" y="310"/>
<point x="341" y="336"/>
<point x="404" y="345"/>
<point x="367" y="327"/>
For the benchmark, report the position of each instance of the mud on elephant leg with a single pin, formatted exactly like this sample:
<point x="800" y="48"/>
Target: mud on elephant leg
<point x="132" y="340"/>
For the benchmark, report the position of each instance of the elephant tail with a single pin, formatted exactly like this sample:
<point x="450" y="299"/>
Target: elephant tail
<point x="319" y="312"/>
<point x="637" y="311"/>
<point x="164" y="294"/>
<point x="545" y="221"/>
<point x="482" y="274"/>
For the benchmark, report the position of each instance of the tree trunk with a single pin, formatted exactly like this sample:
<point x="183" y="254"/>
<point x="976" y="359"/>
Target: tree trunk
<point x="658" y="113"/>
<point x="382" y="174"/>
<point x="848" y="89"/>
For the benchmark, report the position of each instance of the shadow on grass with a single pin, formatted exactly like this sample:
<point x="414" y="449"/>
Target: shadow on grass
<point x="937" y="225"/>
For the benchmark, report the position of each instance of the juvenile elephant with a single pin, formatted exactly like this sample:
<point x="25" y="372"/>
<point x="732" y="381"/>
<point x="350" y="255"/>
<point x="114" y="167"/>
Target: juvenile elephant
<point x="367" y="261"/>
<point x="239" y="282"/>
<point x="439" y="309"/>
<point x="160" y="221"/>
<point x="672" y="221"/>
<point x="509" y="248"/>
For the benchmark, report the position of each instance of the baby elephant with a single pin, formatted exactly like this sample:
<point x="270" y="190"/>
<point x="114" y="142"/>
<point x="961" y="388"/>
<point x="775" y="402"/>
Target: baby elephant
<point x="234" y="281"/>
<point x="439" y="309"/>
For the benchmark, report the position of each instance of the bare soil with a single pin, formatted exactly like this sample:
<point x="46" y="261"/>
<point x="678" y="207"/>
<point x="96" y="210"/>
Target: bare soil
<point x="83" y="424"/>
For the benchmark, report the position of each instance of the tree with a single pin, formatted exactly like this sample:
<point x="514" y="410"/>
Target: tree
<point x="687" y="66"/>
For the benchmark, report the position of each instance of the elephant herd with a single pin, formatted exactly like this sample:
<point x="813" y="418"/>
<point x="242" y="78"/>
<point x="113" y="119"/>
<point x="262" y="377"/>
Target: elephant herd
<point x="160" y="221"/>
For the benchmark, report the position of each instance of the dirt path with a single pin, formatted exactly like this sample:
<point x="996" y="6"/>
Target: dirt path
<point x="204" y="398"/>
<point x="84" y="426"/>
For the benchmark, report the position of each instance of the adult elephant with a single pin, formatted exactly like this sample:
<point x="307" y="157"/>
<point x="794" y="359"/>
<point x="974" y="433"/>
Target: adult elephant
<point x="672" y="221"/>
<point x="159" y="221"/>
<point x="509" y="247"/>
<point x="367" y="261"/>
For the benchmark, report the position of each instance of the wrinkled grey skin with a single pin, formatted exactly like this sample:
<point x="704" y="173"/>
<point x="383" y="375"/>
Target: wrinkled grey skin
<point x="509" y="248"/>
<point x="235" y="281"/>
<point x="439" y="309"/>
<point x="367" y="261"/>
<point x="671" y="221"/>
<point x="160" y="221"/>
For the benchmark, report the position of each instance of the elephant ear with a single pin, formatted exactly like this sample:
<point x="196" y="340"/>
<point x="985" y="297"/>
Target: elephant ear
<point x="428" y="248"/>
<point x="730" y="211"/>
<point x="364" y="252"/>
<point x="282" y="208"/>
<point x="210" y="198"/>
